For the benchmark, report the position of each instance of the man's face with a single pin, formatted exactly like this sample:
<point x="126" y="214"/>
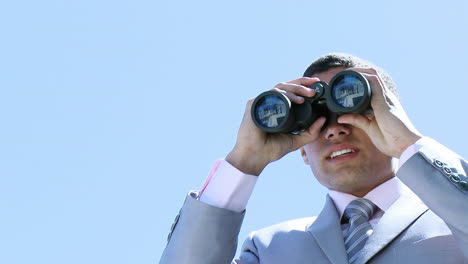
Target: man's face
<point x="344" y="158"/>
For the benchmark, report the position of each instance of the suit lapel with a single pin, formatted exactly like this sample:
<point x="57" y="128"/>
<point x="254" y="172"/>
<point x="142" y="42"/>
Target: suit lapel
<point x="327" y="232"/>
<point x="395" y="220"/>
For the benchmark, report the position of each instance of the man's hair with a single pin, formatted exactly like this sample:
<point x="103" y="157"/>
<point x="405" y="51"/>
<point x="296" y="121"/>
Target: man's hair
<point x="334" y="60"/>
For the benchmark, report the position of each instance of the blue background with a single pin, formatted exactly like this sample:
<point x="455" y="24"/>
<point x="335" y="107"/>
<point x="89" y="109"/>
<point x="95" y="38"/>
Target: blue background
<point x="111" y="111"/>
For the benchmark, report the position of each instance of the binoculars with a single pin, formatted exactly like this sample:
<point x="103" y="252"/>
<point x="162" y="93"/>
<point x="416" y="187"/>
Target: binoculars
<point x="348" y="92"/>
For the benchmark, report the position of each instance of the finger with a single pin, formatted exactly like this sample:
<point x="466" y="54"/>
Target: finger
<point x="379" y="97"/>
<point x="248" y="127"/>
<point x="305" y="81"/>
<point x="247" y="116"/>
<point x="310" y="134"/>
<point x="379" y="88"/>
<point x="296" y="89"/>
<point x="293" y="97"/>
<point x="249" y="104"/>
<point x="373" y="76"/>
<point x="355" y="120"/>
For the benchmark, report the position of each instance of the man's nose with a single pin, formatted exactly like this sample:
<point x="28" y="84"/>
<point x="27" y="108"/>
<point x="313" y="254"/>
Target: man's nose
<point x="335" y="130"/>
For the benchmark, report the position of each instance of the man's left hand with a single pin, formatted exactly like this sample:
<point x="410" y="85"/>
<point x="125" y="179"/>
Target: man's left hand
<point x="389" y="127"/>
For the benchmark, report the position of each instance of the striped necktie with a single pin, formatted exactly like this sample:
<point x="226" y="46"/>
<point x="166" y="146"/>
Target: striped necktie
<point x="357" y="214"/>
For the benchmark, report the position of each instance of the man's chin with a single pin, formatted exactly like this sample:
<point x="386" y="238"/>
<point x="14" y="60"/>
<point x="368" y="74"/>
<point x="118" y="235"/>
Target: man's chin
<point x="346" y="182"/>
<point x="346" y="172"/>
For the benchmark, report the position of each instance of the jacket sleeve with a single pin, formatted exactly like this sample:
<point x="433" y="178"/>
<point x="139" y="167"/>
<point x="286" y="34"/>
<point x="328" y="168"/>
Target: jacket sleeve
<point x="202" y="234"/>
<point x="439" y="177"/>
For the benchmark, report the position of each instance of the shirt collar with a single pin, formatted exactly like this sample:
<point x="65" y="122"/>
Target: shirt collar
<point x="383" y="195"/>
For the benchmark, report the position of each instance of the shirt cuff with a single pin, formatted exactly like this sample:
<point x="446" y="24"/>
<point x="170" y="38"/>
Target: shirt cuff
<point x="227" y="187"/>
<point x="411" y="150"/>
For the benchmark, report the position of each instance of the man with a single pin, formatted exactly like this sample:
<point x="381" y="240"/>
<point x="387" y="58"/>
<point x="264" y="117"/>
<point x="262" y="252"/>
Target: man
<point x="423" y="218"/>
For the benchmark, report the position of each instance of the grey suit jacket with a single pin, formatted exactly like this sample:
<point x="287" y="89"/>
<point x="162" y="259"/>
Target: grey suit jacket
<point x="427" y="226"/>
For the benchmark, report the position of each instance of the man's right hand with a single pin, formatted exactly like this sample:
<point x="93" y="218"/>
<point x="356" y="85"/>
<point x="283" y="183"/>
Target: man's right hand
<point x="254" y="148"/>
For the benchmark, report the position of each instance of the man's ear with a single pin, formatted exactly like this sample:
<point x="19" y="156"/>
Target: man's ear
<point x="304" y="156"/>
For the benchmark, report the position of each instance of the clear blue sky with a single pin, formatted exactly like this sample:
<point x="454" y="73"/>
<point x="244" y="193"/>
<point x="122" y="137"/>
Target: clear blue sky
<point x="111" y="111"/>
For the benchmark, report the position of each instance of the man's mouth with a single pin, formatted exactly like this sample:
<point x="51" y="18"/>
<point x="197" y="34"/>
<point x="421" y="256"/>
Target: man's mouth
<point x="341" y="153"/>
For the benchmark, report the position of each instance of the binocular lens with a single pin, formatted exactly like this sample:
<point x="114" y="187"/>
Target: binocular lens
<point x="348" y="91"/>
<point x="271" y="111"/>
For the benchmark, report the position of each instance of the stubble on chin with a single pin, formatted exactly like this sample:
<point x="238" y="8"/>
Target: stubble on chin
<point x="349" y="178"/>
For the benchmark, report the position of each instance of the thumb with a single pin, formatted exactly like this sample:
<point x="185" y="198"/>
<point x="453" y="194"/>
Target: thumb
<point x="309" y="135"/>
<point x="355" y="120"/>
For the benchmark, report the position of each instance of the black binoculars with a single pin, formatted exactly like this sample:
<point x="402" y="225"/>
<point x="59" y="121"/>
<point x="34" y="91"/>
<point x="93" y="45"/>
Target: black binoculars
<point x="348" y="92"/>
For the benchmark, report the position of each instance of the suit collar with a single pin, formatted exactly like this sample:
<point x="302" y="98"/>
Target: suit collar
<point x="327" y="232"/>
<point x="395" y="220"/>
